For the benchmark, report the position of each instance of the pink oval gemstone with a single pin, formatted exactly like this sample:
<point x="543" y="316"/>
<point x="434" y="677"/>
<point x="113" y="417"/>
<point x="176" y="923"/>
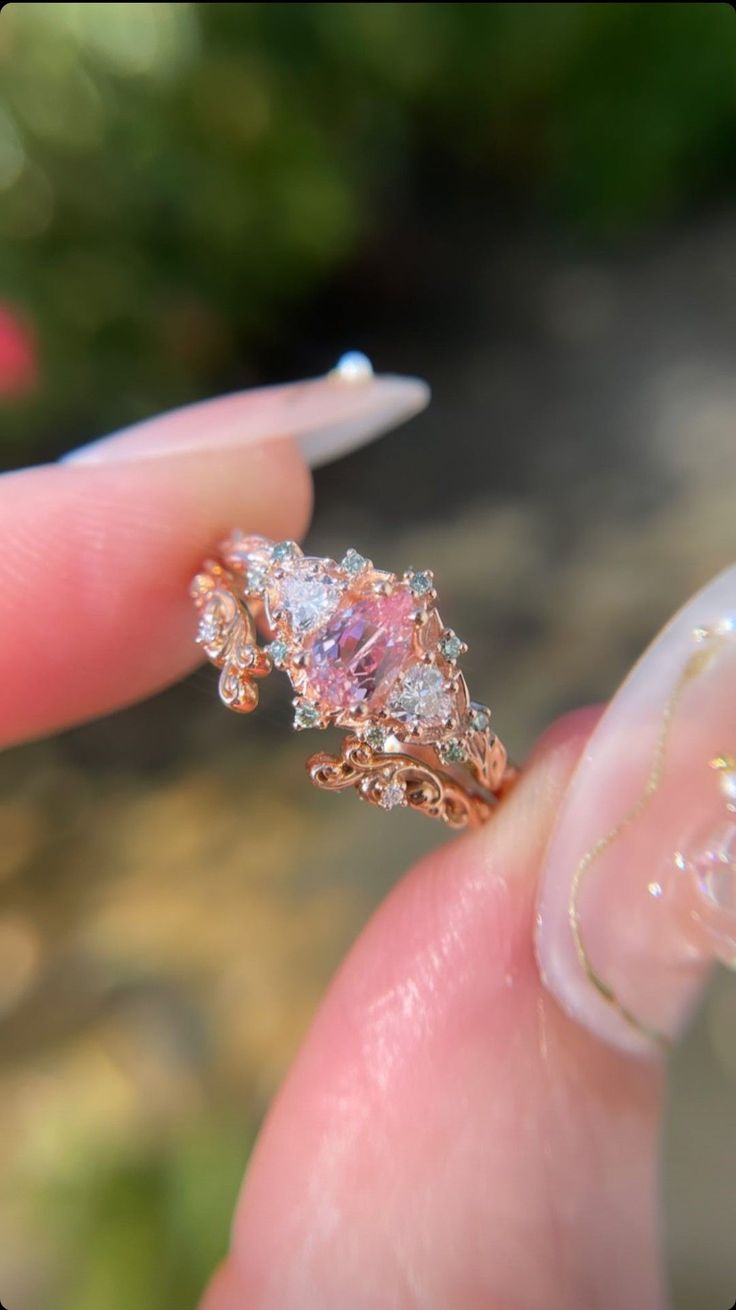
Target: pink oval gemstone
<point x="355" y="658"/>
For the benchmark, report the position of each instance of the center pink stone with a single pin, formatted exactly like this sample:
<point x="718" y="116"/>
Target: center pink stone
<point x="354" y="659"/>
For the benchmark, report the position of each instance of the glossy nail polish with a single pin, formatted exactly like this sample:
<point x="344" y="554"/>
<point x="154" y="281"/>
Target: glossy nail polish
<point x="638" y="890"/>
<point x="328" y="417"/>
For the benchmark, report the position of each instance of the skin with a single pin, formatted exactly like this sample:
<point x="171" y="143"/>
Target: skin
<point x="447" y="1137"/>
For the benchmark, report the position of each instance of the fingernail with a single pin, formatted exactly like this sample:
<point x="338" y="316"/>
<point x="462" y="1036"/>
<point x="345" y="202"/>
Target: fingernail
<point x="638" y="891"/>
<point x="328" y="417"/>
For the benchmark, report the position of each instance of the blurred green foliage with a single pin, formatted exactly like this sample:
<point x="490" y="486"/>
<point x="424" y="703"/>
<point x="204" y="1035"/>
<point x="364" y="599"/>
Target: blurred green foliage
<point x="176" y="179"/>
<point x="148" y="1231"/>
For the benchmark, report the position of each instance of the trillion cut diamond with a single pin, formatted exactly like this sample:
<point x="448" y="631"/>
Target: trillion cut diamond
<point x="423" y="699"/>
<point x="307" y="598"/>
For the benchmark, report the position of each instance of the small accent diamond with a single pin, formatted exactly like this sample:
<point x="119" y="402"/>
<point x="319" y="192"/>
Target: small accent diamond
<point x="353" y="563"/>
<point x="452" y="751"/>
<point x="306" y="715"/>
<point x="278" y="650"/>
<point x="420" y="583"/>
<point x="375" y="737"/>
<point x="210" y="628"/>
<point x="283" y="550"/>
<point x="392" y="795"/>
<point x="216" y="618"/>
<point x="256" y="579"/>
<point x="451" y="646"/>
<point x="480" y="718"/>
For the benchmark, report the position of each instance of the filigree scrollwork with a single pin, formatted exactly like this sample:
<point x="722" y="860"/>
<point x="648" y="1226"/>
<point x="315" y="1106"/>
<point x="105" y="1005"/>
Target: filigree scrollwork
<point x="227" y="635"/>
<point x="364" y="650"/>
<point x="390" y="779"/>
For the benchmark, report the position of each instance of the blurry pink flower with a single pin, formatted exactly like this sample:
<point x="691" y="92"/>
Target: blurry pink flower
<point x="18" y="356"/>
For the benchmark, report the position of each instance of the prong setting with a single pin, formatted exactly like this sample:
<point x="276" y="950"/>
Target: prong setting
<point x="364" y="650"/>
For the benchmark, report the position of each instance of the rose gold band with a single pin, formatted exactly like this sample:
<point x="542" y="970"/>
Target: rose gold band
<point x="364" y="650"/>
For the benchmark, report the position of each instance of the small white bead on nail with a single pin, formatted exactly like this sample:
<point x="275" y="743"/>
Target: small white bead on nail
<point x="354" y="366"/>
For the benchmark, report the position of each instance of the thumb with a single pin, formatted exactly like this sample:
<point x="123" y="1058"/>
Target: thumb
<point x="447" y="1137"/>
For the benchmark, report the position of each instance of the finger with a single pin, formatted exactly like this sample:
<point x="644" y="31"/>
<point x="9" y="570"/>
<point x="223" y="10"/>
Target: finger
<point x="644" y="854"/>
<point x="447" y="1137"/>
<point x="98" y="551"/>
<point x="94" y="607"/>
<point x="327" y="417"/>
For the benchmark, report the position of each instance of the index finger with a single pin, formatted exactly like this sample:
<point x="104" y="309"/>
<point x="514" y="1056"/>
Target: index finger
<point x="98" y="550"/>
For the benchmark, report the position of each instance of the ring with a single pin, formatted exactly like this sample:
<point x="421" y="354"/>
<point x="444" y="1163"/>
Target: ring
<point x="364" y="650"/>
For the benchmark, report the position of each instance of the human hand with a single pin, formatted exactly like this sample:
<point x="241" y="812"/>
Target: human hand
<point x="448" y="1136"/>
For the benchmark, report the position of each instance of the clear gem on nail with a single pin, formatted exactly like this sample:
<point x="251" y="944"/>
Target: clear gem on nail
<point x="353" y="366"/>
<point x="708" y="865"/>
<point x="728" y="787"/>
<point x="714" y="868"/>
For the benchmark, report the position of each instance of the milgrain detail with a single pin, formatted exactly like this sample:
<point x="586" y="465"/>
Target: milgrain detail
<point x="380" y="778"/>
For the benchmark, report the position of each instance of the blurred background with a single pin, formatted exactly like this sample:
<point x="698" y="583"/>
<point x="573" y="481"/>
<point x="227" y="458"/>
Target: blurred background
<point x="533" y="206"/>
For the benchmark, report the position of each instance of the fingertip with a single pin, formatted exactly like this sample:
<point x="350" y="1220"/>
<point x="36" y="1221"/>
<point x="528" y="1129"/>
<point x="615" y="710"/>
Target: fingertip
<point x="224" y="1291"/>
<point x="102" y="556"/>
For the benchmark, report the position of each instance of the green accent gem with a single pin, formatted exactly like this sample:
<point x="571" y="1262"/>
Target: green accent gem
<point x="480" y="719"/>
<point x="255" y="579"/>
<point x="306" y="715"/>
<point x="451" y="647"/>
<point x="353" y="563"/>
<point x="278" y="650"/>
<point x="420" y="583"/>
<point x="282" y="550"/>
<point x="375" y="737"/>
<point x="452" y="751"/>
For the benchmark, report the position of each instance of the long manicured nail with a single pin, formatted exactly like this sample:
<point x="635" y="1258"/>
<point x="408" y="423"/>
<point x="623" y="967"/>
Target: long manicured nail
<point x="638" y="894"/>
<point x="328" y="417"/>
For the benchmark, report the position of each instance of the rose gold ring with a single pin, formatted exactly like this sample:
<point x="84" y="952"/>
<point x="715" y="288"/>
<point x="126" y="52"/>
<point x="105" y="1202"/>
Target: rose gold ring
<point x="364" y="650"/>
